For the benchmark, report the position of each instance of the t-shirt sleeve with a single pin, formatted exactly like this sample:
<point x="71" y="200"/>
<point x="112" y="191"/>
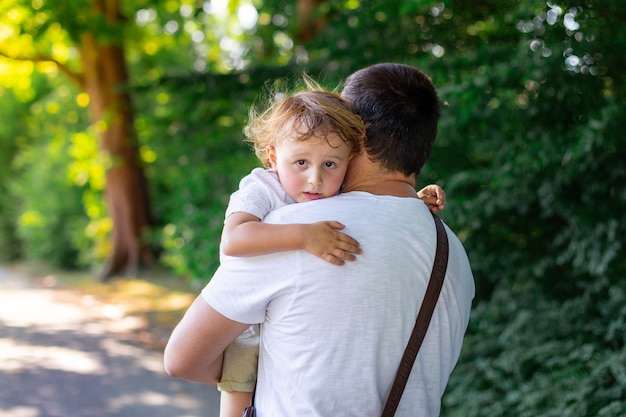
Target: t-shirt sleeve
<point x="258" y="194"/>
<point x="242" y="288"/>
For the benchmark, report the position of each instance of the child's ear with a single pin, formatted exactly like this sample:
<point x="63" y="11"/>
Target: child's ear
<point x="271" y="155"/>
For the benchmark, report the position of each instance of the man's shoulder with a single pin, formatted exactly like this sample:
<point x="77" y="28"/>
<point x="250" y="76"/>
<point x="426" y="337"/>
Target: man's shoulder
<point x="352" y="205"/>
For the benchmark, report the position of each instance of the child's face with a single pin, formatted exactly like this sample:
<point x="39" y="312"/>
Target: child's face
<point x="310" y="169"/>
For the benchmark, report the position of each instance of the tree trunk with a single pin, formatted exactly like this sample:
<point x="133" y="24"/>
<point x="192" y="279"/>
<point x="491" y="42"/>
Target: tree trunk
<point x="310" y="24"/>
<point x="105" y="80"/>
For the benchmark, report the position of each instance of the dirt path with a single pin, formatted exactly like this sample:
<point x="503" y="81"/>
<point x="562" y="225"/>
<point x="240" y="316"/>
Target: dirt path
<point x="61" y="359"/>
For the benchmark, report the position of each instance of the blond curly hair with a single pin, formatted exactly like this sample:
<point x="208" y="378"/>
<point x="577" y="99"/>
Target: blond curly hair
<point x="313" y="112"/>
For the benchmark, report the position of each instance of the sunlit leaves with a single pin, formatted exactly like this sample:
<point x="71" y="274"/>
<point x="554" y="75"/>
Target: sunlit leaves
<point x="86" y="166"/>
<point x="9" y="79"/>
<point x="97" y="230"/>
<point x="147" y="155"/>
<point x="214" y="34"/>
<point x="32" y="218"/>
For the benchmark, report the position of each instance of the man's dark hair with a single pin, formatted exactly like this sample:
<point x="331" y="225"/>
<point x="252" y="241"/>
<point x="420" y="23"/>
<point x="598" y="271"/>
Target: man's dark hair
<point x="400" y="108"/>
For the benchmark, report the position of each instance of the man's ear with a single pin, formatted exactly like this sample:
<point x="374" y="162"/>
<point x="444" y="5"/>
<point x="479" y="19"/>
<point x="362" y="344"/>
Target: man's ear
<point x="271" y="155"/>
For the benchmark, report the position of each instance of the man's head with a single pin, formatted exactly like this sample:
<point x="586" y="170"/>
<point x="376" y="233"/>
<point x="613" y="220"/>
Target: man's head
<point x="400" y="107"/>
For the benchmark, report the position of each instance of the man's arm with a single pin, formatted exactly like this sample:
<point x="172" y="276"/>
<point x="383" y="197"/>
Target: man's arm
<point x="194" y="350"/>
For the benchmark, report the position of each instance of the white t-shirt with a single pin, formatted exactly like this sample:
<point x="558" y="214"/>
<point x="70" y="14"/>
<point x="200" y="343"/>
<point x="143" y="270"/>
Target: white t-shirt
<point x="332" y="336"/>
<point x="259" y="193"/>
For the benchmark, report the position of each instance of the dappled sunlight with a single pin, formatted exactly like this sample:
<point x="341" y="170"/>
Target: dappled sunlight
<point x="68" y="353"/>
<point x="137" y="296"/>
<point x="140" y="309"/>
<point x="175" y="302"/>
<point x="134" y="304"/>
<point x="20" y="412"/>
<point x="153" y="363"/>
<point x="155" y="399"/>
<point x="146" y="397"/>
<point x="138" y="287"/>
<point x="16" y="356"/>
<point x="16" y="312"/>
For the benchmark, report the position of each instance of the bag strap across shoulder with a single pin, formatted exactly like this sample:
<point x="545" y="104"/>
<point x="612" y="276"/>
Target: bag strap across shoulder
<point x="423" y="320"/>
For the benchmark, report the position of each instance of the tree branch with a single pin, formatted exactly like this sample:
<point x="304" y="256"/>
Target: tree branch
<point x="75" y="77"/>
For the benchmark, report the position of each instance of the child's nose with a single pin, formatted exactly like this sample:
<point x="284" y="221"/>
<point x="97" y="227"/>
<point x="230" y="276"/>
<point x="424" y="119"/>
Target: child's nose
<point x="315" y="177"/>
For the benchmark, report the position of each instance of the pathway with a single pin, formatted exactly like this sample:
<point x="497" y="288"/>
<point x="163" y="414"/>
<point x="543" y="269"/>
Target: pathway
<point x="61" y="359"/>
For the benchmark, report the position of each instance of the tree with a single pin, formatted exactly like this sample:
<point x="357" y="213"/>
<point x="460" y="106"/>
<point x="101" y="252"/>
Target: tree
<point x="95" y="28"/>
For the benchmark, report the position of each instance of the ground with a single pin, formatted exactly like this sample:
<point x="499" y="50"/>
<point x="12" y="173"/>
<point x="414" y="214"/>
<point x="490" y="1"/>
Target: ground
<point x="71" y="347"/>
<point x="145" y="308"/>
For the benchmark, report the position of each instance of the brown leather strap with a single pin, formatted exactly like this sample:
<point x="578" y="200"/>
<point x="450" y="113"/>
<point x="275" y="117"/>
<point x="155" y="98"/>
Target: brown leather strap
<point x="423" y="320"/>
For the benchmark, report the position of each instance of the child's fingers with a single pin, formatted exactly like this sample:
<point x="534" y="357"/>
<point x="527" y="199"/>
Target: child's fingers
<point x="331" y="245"/>
<point x="330" y="258"/>
<point x="346" y="250"/>
<point x="441" y="199"/>
<point x="344" y="241"/>
<point x="430" y="200"/>
<point x="348" y="243"/>
<point x="434" y="208"/>
<point x="342" y="255"/>
<point x="335" y="225"/>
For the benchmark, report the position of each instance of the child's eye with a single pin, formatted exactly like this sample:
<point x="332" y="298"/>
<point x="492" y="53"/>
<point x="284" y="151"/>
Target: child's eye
<point x="330" y="164"/>
<point x="301" y="163"/>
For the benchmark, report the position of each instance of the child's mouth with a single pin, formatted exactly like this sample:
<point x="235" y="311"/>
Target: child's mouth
<point x="312" y="196"/>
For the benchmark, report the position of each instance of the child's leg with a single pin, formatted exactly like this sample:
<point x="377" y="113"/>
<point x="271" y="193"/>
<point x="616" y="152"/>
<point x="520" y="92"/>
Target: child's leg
<point x="239" y="372"/>
<point x="232" y="403"/>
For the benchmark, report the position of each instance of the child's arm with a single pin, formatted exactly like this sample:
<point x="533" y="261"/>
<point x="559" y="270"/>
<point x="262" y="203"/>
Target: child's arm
<point x="433" y="196"/>
<point x="245" y="235"/>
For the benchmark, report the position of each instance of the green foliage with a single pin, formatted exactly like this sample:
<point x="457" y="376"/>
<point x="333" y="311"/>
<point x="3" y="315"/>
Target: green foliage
<point x="196" y="134"/>
<point x="52" y="216"/>
<point x="530" y="145"/>
<point x="15" y="138"/>
<point x="87" y="170"/>
<point x="525" y="355"/>
<point x="14" y="110"/>
<point x="47" y="218"/>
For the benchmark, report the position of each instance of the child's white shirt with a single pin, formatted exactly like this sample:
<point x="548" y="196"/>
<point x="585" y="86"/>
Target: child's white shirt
<point x="259" y="193"/>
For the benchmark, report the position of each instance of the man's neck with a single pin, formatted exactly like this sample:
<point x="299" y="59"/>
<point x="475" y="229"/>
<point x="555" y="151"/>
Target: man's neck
<point x="392" y="188"/>
<point x="365" y="175"/>
<point x="387" y="183"/>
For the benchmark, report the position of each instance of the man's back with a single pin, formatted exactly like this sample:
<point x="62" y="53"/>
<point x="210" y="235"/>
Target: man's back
<point x="332" y="337"/>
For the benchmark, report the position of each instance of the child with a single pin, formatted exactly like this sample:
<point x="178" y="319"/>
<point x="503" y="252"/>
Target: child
<point x="306" y="142"/>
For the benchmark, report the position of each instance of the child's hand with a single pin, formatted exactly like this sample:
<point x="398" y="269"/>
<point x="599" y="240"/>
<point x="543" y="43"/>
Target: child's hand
<point x="324" y="240"/>
<point x="433" y="196"/>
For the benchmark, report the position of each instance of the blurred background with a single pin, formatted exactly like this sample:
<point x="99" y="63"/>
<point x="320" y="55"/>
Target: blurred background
<point x="121" y="141"/>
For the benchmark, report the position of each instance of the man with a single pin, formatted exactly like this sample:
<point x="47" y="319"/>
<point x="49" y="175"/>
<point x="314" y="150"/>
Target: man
<point x="332" y="337"/>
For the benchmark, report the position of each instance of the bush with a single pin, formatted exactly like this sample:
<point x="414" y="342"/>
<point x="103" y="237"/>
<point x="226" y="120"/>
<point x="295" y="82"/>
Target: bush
<point x="46" y="205"/>
<point x="200" y="157"/>
<point x="9" y="137"/>
<point x="51" y="218"/>
<point x="528" y="355"/>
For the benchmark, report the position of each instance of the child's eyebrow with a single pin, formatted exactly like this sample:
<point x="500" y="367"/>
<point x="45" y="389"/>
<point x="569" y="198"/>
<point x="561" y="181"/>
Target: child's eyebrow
<point x="338" y="157"/>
